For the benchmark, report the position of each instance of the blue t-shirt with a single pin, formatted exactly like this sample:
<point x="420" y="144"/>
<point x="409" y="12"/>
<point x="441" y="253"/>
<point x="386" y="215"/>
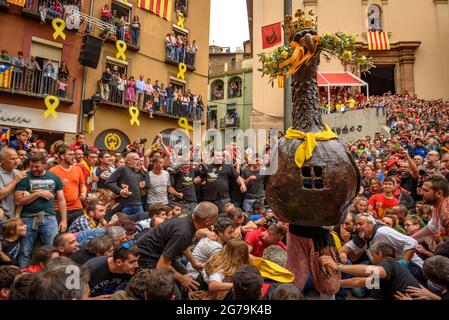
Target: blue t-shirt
<point x="49" y="182"/>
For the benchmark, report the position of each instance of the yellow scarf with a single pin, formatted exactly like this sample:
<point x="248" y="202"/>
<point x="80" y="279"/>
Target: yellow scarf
<point x="305" y="149"/>
<point x="445" y="149"/>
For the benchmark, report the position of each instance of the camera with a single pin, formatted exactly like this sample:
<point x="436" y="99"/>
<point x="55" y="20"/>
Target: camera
<point x="143" y="140"/>
<point x="270" y="221"/>
<point x="422" y="173"/>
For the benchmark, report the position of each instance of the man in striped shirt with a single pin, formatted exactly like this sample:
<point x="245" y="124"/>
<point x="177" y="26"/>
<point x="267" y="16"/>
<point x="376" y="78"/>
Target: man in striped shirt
<point x="92" y="219"/>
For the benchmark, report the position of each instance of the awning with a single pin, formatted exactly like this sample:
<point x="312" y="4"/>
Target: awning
<point x="339" y="79"/>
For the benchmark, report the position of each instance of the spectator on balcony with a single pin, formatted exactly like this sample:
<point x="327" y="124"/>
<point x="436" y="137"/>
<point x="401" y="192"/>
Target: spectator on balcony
<point x="170" y="96"/>
<point x="121" y="85"/>
<point x="188" y="53"/>
<point x="179" y="47"/>
<point x="63" y="71"/>
<point x="140" y="92"/>
<point x="135" y="31"/>
<point x="106" y="79"/>
<point x="49" y="71"/>
<point x="185" y="104"/>
<point x="55" y="10"/>
<point x="156" y="104"/>
<point x="149" y="107"/>
<point x="62" y="88"/>
<point x="163" y="98"/>
<point x="148" y="90"/>
<point x="31" y="66"/>
<point x="5" y="57"/>
<point x="113" y="86"/>
<point x="199" y="107"/>
<point x="106" y="14"/>
<point x="130" y="95"/>
<point x="195" y="50"/>
<point x="191" y="103"/>
<point x="17" y="74"/>
<point x="169" y="47"/>
<point x="43" y="9"/>
<point x="156" y="85"/>
<point x="121" y="28"/>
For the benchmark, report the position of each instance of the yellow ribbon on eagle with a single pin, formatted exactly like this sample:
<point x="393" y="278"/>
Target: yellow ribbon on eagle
<point x="305" y="149"/>
<point x="299" y="57"/>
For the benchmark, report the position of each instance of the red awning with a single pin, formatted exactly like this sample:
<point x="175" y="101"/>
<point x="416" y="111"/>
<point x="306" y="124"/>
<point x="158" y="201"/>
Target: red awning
<point x="339" y="79"/>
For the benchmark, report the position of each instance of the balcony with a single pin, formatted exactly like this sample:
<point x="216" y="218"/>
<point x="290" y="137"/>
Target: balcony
<point x="222" y="69"/>
<point x="117" y="98"/>
<point x="175" y="56"/>
<point x="37" y="84"/>
<point x="232" y="123"/>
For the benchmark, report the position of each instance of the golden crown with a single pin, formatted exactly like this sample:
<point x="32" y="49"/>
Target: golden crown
<point x="304" y="21"/>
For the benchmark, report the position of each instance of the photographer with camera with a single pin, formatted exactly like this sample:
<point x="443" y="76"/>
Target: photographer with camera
<point x="138" y="146"/>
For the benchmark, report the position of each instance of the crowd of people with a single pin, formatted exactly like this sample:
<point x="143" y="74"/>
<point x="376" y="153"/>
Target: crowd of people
<point x="32" y="76"/>
<point x="342" y="99"/>
<point x="149" y="96"/>
<point x="128" y="31"/>
<point x="147" y="224"/>
<point x="180" y="49"/>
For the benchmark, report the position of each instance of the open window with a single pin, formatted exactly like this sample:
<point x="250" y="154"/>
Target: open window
<point x="374" y="18"/>
<point x="182" y="6"/>
<point x="235" y="87"/>
<point x="217" y="90"/>
<point x="120" y="9"/>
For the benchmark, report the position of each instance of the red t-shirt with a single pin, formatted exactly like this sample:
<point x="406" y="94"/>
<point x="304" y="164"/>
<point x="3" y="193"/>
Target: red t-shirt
<point x="254" y="239"/>
<point x="380" y="204"/>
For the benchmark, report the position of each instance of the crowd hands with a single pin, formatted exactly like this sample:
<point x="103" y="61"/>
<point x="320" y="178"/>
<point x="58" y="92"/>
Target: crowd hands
<point x="149" y="96"/>
<point x="203" y="227"/>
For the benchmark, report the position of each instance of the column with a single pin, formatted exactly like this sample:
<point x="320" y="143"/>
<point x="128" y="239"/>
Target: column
<point x="406" y="62"/>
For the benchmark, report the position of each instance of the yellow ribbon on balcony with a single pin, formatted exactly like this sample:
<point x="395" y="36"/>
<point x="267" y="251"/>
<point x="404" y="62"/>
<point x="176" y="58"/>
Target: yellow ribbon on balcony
<point x="184" y="123"/>
<point x="51" y="102"/>
<point x="181" y="20"/>
<point x="59" y="26"/>
<point x="182" y="70"/>
<point x="134" y="112"/>
<point x="121" y="48"/>
<point x="305" y="149"/>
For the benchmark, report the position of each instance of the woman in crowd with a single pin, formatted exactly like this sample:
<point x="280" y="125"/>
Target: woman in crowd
<point x="131" y="92"/>
<point x="135" y="31"/>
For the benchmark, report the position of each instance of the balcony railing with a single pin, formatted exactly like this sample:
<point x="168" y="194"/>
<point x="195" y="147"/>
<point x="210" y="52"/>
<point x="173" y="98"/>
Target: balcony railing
<point x="40" y="84"/>
<point x="175" y="56"/>
<point x="229" y="123"/>
<point x="118" y="98"/>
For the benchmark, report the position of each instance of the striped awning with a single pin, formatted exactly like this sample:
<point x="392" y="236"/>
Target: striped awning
<point x="378" y="41"/>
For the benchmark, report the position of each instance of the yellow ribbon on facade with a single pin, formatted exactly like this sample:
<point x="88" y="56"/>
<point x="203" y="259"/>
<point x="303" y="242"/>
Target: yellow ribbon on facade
<point x="184" y="123"/>
<point x="90" y="125"/>
<point x="121" y="47"/>
<point x="134" y="112"/>
<point x="51" y="102"/>
<point x="182" y="69"/>
<point x="305" y="149"/>
<point x="59" y="26"/>
<point x="181" y="20"/>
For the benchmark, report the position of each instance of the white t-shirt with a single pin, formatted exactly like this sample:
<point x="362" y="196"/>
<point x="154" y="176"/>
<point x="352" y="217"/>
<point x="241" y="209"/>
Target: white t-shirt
<point x="219" y="277"/>
<point x="399" y="241"/>
<point x="202" y="252"/>
<point x="157" y="192"/>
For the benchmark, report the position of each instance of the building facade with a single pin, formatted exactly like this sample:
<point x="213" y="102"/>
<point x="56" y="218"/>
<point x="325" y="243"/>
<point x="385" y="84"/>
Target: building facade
<point x="417" y="61"/>
<point x="23" y="88"/>
<point x="230" y="89"/>
<point x="152" y="60"/>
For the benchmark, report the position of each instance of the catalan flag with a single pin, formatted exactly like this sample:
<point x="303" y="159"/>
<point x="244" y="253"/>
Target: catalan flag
<point x="162" y="8"/>
<point x="20" y="3"/>
<point x="4" y="135"/>
<point x="378" y="41"/>
<point x="5" y="75"/>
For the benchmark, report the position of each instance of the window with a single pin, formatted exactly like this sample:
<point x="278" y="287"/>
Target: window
<point x="231" y="109"/>
<point x="217" y="90"/>
<point x="177" y="85"/>
<point x="235" y="87"/>
<point x="119" y="10"/>
<point x="182" y="6"/>
<point x="312" y="177"/>
<point x="46" y="50"/>
<point x="374" y="18"/>
<point x="121" y="68"/>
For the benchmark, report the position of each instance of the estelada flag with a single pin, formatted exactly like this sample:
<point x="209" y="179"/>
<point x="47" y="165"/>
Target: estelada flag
<point x="5" y="75"/>
<point x="161" y="8"/>
<point x="271" y="35"/>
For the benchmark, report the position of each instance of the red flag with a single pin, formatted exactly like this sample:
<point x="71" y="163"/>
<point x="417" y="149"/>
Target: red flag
<point x="271" y="35"/>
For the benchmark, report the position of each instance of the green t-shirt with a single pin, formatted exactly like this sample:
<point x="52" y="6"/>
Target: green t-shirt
<point x="49" y="182"/>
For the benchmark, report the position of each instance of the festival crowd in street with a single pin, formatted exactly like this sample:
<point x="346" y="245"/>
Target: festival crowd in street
<point x="145" y="225"/>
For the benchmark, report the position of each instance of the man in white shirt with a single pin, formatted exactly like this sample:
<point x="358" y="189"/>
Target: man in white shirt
<point x="159" y="184"/>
